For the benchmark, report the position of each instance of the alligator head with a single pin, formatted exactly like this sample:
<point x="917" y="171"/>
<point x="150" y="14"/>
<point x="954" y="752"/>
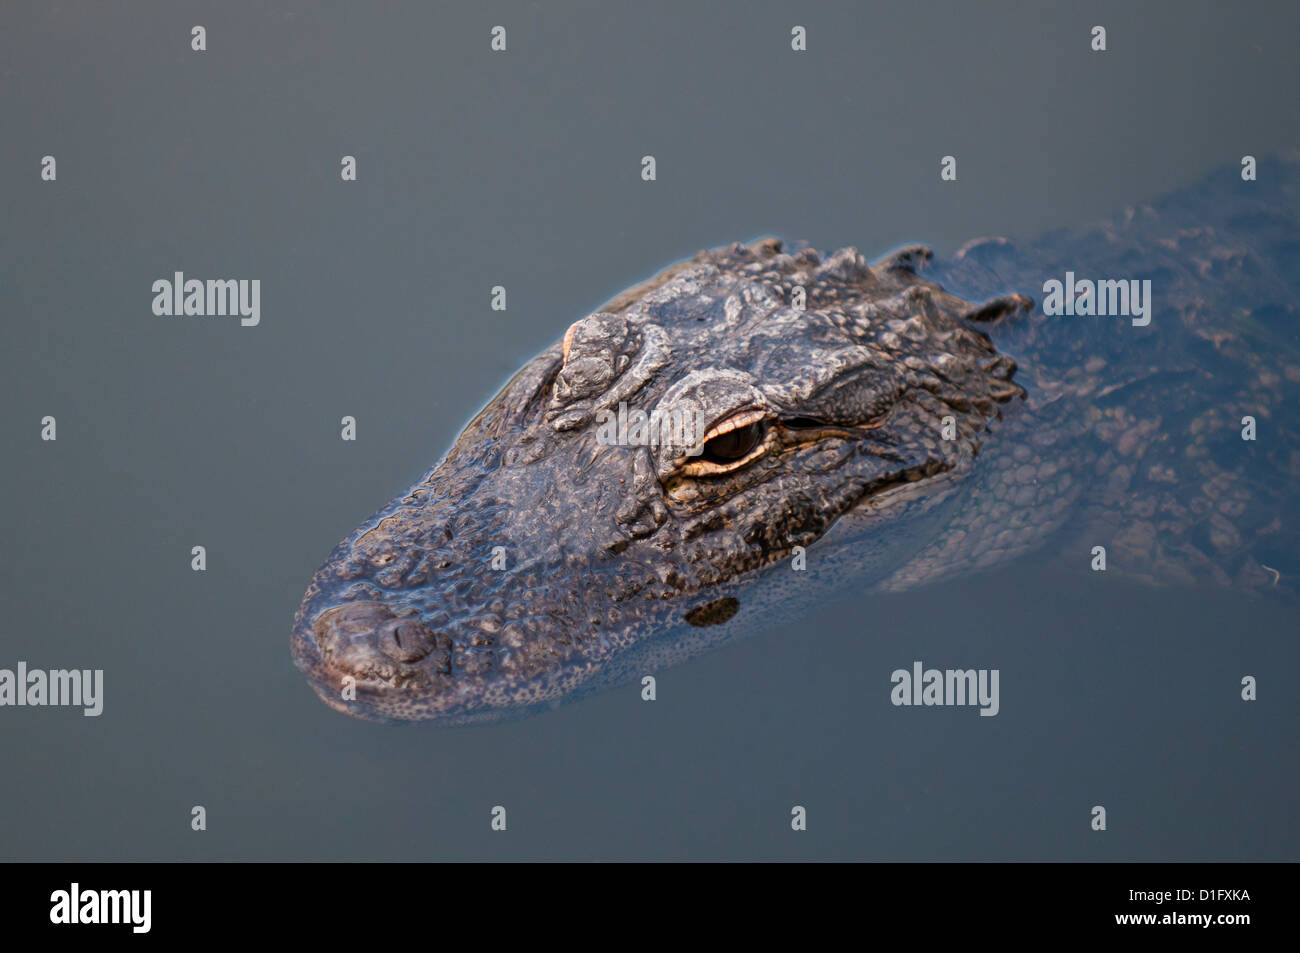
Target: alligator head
<point x="602" y="511"/>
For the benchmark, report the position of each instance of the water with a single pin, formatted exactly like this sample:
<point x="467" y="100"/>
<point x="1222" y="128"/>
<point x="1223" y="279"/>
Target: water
<point x="523" y="170"/>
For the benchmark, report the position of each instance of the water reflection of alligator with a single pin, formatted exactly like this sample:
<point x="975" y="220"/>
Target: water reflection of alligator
<point x="896" y="431"/>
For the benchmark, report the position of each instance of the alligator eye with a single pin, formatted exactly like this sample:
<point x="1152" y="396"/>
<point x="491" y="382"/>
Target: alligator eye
<point x="734" y="444"/>
<point x="728" y="445"/>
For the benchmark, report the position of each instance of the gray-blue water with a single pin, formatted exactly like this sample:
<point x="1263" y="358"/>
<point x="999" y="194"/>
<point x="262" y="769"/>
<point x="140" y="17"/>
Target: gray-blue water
<point x="522" y="169"/>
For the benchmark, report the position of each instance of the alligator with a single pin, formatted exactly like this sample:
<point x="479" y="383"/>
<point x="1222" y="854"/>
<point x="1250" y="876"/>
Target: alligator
<point x="867" y="426"/>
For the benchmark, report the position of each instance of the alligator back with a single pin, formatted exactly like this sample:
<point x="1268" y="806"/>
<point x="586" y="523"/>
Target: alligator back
<point x="1169" y="443"/>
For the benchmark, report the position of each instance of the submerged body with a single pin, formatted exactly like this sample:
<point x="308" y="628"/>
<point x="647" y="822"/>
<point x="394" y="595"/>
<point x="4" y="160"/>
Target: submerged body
<point x="867" y="426"/>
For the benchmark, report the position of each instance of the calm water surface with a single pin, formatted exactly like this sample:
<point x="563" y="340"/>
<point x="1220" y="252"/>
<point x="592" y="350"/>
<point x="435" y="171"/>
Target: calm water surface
<point x="522" y="170"/>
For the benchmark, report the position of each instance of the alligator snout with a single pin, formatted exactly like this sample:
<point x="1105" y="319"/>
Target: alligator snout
<point x="405" y="640"/>
<point x="373" y="645"/>
<point x="344" y="630"/>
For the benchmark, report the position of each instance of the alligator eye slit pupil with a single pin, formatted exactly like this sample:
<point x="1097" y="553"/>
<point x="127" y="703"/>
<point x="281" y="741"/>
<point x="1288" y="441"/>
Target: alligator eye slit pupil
<point x="802" y="423"/>
<point x="734" y="444"/>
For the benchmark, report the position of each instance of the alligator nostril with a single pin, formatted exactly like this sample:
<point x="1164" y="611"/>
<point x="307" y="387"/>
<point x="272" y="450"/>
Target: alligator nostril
<point x="405" y="640"/>
<point x="340" y="626"/>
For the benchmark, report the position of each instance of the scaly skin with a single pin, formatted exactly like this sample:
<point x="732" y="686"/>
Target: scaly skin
<point x="883" y="430"/>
